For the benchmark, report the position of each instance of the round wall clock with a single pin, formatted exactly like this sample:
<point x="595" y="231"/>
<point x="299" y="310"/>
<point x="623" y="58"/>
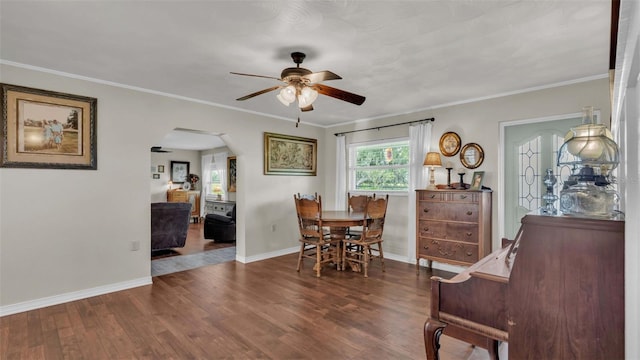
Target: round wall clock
<point x="449" y="143"/>
<point x="186" y="186"/>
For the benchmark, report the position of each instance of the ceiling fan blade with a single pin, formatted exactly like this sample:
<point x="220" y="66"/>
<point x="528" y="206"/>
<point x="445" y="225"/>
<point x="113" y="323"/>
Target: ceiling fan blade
<point x="307" y="108"/>
<point x="320" y="76"/>
<point x="261" y="76"/>
<point x="339" y="94"/>
<point x="259" y="93"/>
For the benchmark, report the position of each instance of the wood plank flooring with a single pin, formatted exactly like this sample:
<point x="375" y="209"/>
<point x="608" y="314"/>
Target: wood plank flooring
<point x="260" y="310"/>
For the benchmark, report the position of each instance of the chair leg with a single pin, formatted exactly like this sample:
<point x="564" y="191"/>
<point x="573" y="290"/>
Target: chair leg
<point x="366" y="261"/>
<point x="318" y="260"/>
<point x="343" y="260"/>
<point x="300" y="257"/>
<point x="381" y="256"/>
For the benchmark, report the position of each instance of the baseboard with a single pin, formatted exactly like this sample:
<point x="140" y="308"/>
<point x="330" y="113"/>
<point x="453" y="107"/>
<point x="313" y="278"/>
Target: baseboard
<point x="268" y="255"/>
<point x="72" y="296"/>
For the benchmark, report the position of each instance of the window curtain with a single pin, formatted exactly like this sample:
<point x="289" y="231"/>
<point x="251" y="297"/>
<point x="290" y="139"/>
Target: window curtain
<point x="341" y="172"/>
<point x="207" y="167"/>
<point x="220" y="160"/>
<point x="419" y="145"/>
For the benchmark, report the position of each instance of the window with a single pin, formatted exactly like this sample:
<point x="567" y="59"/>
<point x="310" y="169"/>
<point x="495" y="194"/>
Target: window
<point x="379" y="166"/>
<point x="215" y="186"/>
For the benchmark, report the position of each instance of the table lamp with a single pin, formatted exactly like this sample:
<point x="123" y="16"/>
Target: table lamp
<point x="433" y="161"/>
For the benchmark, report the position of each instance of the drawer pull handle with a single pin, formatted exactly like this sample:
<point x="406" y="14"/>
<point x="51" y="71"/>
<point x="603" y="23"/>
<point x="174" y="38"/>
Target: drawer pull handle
<point x="469" y="212"/>
<point x="426" y="247"/>
<point x="433" y="196"/>
<point x="426" y="210"/>
<point x="468" y="234"/>
<point x="469" y="253"/>
<point x="426" y="229"/>
<point x="463" y="196"/>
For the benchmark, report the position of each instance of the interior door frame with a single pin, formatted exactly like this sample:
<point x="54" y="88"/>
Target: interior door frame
<point x="501" y="160"/>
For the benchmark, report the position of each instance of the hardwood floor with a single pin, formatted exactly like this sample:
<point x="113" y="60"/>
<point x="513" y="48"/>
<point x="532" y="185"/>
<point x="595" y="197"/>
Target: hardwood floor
<point x="263" y="310"/>
<point x="196" y="243"/>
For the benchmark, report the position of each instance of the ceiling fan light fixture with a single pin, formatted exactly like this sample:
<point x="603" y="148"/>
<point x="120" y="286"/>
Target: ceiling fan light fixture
<point x="287" y="95"/>
<point x="307" y="97"/>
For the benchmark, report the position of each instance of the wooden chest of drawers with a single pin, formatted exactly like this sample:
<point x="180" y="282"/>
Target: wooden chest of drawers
<point x="453" y="226"/>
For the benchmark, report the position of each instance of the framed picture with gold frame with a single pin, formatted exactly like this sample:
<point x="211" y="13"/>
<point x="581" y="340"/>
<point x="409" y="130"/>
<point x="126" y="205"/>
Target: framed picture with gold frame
<point x="290" y="155"/>
<point x="449" y="143"/>
<point x="231" y="174"/>
<point x="471" y="155"/>
<point x="47" y="129"/>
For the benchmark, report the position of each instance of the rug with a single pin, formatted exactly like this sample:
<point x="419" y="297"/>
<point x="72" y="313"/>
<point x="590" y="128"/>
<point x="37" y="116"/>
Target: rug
<point x="173" y="264"/>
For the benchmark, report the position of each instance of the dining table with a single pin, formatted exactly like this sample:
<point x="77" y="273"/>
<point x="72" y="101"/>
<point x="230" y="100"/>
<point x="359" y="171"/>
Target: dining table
<point x="338" y="221"/>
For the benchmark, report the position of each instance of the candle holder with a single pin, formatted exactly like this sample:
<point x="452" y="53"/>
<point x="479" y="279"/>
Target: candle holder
<point x="549" y="198"/>
<point x="461" y="184"/>
<point x="449" y="177"/>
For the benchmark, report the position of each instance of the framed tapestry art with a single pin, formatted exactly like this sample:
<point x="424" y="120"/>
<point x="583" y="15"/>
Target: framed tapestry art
<point x="290" y="155"/>
<point x="47" y="129"/>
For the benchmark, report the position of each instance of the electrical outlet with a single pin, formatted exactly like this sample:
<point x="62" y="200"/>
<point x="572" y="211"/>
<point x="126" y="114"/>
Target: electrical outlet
<point x="273" y="227"/>
<point x="135" y="245"/>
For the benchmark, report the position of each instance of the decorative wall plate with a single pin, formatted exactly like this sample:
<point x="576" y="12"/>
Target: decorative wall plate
<point x="186" y="186"/>
<point x="471" y="155"/>
<point x="449" y="143"/>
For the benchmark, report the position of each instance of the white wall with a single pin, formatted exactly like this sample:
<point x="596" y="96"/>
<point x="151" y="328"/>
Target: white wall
<point x="626" y="129"/>
<point x="65" y="234"/>
<point x="477" y="122"/>
<point x="160" y="186"/>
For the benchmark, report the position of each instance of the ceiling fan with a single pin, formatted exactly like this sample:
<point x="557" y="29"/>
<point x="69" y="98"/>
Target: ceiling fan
<point x="304" y="85"/>
<point x="159" y="149"/>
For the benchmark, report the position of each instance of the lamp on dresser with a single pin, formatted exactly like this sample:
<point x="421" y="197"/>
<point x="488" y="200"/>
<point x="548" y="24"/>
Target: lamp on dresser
<point x="432" y="160"/>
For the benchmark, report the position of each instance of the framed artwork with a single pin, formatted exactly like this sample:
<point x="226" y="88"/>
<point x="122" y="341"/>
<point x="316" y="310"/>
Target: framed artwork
<point x="290" y="155"/>
<point x="476" y="180"/>
<point x="471" y="155"/>
<point x="179" y="171"/>
<point x="47" y="129"/>
<point x="156" y="176"/>
<point x="449" y="143"/>
<point x="231" y="174"/>
<point x="160" y="168"/>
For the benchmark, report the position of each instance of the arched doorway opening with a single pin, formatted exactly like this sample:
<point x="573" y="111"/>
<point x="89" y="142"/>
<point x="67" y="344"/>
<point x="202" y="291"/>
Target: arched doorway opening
<point x="179" y="158"/>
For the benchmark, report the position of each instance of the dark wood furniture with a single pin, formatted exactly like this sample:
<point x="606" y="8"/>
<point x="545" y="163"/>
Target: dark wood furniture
<point x="557" y="292"/>
<point x="453" y="226"/>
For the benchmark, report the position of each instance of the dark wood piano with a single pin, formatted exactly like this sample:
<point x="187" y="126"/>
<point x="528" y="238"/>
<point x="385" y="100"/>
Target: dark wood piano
<point x="555" y="292"/>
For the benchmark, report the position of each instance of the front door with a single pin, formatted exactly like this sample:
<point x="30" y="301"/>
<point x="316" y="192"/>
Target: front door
<point x="529" y="150"/>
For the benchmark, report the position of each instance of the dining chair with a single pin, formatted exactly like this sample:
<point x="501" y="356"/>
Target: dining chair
<point x="356" y="203"/>
<point x="359" y="251"/>
<point x="313" y="244"/>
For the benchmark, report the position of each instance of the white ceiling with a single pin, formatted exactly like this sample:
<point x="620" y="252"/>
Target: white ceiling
<point x="402" y="55"/>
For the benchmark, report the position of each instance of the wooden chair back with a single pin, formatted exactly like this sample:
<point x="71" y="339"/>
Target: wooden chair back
<point x="357" y="203"/>
<point x="309" y="213"/>
<point x="375" y="213"/>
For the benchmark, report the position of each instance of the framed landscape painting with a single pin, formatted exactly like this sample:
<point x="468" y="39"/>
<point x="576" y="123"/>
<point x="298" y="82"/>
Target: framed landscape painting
<point x="290" y="155"/>
<point x="47" y="129"/>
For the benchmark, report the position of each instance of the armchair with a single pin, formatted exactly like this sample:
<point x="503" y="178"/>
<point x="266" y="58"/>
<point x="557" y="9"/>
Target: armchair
<point x="169" y="225"/>
<point x="221" y="228"/>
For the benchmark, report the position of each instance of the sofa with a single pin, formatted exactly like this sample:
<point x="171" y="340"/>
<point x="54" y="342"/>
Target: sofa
<point x="169" y="224"/>
<point x="221" y="228"/>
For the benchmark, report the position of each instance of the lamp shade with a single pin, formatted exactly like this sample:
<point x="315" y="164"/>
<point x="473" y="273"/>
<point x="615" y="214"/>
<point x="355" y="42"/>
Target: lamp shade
<point x="307" y="97"/>
<point x="433" y="159"/>
<point x="287" y="95"/>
